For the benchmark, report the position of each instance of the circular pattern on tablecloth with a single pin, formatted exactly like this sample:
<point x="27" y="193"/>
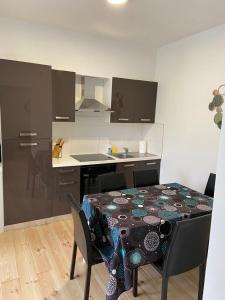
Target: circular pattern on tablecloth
<point x="124" y="231"/>
<point x="114" y="194"/>
<point x="136" y="257"/>
<point x="153" y="220"/>
<point x="204" y="207"/>
<point x="160" y="187"/>
<point x="112" y="285"/>
<point x="111" y="222"/>
<point x="191" y="202"/>
<point x="92" y="199"/>
<point x="170" y="208"/>
<point x="153" y="209"/>
<point x="122" y="217"/>
<point x="164" y="198"/>
<point x="168" y="215"/>
<point x="178" y="205"/>
<point x="151" y="241"/>
<point x="143" y="191"/>
<point x="169" y="192"/>
<point x="120" y="200"/>
<point x="111" y="206"/>
<point x="137" y="201"/>
<point x="139" y="212"/>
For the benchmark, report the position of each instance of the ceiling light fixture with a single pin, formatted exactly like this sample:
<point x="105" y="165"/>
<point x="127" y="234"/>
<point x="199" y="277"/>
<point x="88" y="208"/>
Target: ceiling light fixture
<point x="117" y="1"/>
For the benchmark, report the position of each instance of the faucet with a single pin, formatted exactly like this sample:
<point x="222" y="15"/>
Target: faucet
<point x="125" y="151"/>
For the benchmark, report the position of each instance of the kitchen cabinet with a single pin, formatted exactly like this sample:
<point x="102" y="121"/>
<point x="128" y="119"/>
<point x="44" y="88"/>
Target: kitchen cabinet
<point x="63" y="95"/>
<point x="26" y="178"/>
<point x="133" y="101"/>
<point x="26" y="100"/>
<point x="66" y="180"/>
<point x="128" y="168"/>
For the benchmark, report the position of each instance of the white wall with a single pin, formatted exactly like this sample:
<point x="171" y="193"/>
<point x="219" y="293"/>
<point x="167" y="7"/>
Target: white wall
<point x="214" y="282"/>
<point x="187" y="72"/>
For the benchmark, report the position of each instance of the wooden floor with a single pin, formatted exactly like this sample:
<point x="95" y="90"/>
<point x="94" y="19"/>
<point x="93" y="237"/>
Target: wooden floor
<point x="35" y="262"/>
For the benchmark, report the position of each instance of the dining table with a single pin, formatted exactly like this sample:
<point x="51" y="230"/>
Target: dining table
<point x="133" y="227"/>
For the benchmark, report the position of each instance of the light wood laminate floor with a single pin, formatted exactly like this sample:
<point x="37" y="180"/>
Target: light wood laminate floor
<point x="35" y="262"/>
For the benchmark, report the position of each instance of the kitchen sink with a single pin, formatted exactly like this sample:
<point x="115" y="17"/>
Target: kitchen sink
<point x="122" y="155"/>
<point x="132" y="155"/>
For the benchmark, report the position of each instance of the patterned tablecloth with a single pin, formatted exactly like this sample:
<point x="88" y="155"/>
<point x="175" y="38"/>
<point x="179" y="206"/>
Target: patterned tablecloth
<point x="133" y="227"/>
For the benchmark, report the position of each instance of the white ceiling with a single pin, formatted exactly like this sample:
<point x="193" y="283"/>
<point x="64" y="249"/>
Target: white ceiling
<point x="151" y="23"/>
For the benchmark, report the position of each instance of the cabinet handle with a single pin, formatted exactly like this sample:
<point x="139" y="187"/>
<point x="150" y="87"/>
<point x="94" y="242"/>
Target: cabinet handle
<point x="151" y="163"/>
<point x="129" y="166"/>
<point x="145" y="120"/>
<point x="62" y="118"/>
<point x="28" y="144"/>
<point x="123" y="119"/>
<point x="66" y="171"/>
<point x="66" y="183"/>
<point x="23" y="134"/>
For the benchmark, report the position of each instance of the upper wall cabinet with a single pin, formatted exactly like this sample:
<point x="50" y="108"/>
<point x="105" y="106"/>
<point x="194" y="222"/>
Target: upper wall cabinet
<point x="133" y="101"/>
<point x="26" y="99"/>
<point x="63" y="96"/>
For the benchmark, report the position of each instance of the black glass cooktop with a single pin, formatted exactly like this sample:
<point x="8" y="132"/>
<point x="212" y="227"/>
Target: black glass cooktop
<point x="91" y="157"/>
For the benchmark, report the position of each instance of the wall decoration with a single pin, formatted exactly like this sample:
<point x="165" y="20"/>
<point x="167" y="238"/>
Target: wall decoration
<point x="216" y="104"/>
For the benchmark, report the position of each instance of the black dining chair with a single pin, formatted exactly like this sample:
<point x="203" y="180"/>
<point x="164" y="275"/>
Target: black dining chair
<point x="210" y="187"/>
<point x="82" y="240"/>
<point x="146" y="178"/>
<point x="187" y="250"/>
<point x="111" y="182"/>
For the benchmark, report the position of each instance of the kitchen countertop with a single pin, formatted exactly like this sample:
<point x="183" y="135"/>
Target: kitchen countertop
<point x="68" y="161"/>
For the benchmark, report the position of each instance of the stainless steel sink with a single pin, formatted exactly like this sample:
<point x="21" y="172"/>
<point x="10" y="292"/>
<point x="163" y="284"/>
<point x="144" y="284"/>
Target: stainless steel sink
<point x="122" y="155"/>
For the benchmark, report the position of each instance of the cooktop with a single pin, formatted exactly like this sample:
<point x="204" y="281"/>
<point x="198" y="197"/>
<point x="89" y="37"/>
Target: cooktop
<point x="91" y="157"/>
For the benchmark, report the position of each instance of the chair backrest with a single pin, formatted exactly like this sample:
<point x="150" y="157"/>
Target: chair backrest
<point x="111" y="182"/>
<point x="189" y="245"/>
<point x="146" y="178"/>
<point x="81" y="230"/>
<point x="210" y="187"/>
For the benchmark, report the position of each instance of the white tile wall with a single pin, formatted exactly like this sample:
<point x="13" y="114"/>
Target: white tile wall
<point x="91" y="134"/>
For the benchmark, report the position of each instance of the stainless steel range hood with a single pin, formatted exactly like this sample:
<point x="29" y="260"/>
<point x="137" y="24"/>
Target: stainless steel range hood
<point x="88" y="102"/>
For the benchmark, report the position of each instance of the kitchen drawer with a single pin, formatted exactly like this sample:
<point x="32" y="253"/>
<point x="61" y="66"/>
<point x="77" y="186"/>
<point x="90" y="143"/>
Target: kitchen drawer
<point x="68" y="173"/>
<point x="149" y="164"/>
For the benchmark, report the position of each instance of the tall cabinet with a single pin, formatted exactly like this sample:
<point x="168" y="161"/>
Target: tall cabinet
<point x="26" y="110"/>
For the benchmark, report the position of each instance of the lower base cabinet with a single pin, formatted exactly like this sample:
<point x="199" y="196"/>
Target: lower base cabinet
<point x="66" y="180"/>
<point x="128" y="168"/>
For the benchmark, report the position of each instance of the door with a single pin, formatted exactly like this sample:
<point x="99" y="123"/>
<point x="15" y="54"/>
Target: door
<point x="26" y="178"/>
<point x="26" y="99"/>
<point x="63" y="94"/>
<point x="144" y="95"/>
<point x="122" y="101"/>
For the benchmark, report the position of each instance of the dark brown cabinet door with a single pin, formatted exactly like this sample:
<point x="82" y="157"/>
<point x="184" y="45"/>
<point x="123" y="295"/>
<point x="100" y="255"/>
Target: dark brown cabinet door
<point x="66" y="180"/>
<point x="122" y="101"/>
<point x="26" y="177"/>
<point x="133" y="101"/>
<point x="63" y="94"/>
<point x="26" y="99"/>
<point x="144" y="93"/>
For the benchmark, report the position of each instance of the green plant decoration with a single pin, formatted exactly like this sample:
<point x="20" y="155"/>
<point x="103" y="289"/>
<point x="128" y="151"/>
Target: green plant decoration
<point x="216" y="105"/>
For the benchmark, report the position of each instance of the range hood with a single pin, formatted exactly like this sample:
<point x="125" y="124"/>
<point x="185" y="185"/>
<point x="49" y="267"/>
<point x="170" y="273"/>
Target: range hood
<point x="88" y="102"/>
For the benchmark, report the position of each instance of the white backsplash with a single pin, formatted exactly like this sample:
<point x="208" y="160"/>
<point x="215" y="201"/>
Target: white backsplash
<point x="91" y="134"/>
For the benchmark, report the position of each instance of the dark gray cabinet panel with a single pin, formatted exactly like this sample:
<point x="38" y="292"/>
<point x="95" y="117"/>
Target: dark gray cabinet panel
<point x="133" y="101"/>
<point x="26" y="99"/>
<point x="66" y="180"/>
<point x="128" y="168"/>
<point x="26" y="177"/>
<point x="63" y="94"/>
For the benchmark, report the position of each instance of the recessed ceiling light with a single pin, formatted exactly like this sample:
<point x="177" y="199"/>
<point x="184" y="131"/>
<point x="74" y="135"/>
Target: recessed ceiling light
<point x="117" y="1"/>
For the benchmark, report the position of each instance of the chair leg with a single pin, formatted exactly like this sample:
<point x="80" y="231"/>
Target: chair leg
<point x="201" y="281"/>
<point x="135" y="282"/>
<point x="87" y="283"/>
<point x="72" y="268"/>
<point x="164" y="288"/>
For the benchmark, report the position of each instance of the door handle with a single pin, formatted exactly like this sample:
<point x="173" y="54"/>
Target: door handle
<point x="24" y="134"/>
<point x="28" y="144"/>
<point x="129" y="166"/>
<point x="145" y="120"/>
<point x="62" y="118"/>
<point x="65" y="183"/>
<point x="123" y="119"/>
<point x="151" y="163"/>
